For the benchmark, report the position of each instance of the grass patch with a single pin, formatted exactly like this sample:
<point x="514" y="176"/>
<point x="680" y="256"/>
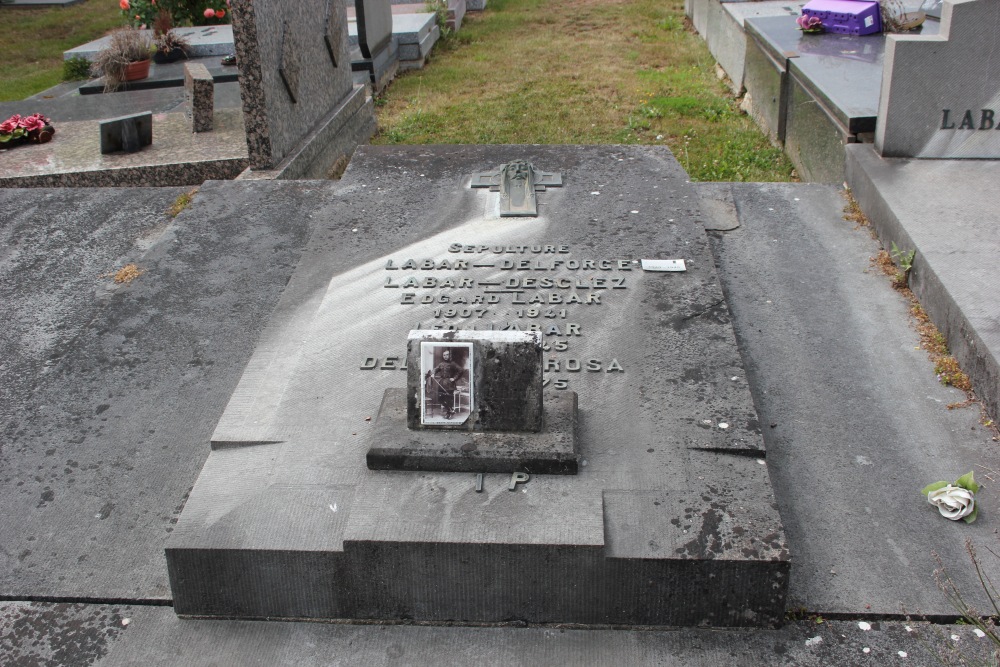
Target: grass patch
<point x="581" y="72"/>
<point x="931" y="339"/>
<point x="181" y="203"/>
<point x="34" y="40"/>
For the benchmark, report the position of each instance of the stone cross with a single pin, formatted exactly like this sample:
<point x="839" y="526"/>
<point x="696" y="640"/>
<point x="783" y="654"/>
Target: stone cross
<point x="517" y="182"/>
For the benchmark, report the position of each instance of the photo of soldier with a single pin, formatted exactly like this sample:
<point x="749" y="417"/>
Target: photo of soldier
<point x="447" y="389"/>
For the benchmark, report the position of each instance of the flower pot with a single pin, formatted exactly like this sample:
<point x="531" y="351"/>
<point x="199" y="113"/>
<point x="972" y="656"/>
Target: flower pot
<point x="136" y="71"/>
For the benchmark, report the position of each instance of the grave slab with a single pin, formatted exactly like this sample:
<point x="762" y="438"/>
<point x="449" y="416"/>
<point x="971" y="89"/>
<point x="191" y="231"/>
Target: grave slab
<point x="814" y="93"/>
<point x="671" y="501"/>
<point x="216" y="40"/>
<point x="110" y="390"/>
<point x="855" y="420"/>
<point x="176" y="157"/>
<point x="937" y="207"/>
<point x="168" y="75"/>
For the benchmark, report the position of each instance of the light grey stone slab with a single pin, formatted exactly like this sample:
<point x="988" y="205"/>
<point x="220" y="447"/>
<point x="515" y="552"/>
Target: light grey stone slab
<point x="740" y="11"/>
<point x="216" y="40"/>
<point x="853" y="416"/>
<point x="412" y="28"/>
<point x="418" y="52"/>
<point x="955" y="110"/>
<point x="375" y="25"/>
<point x="938" y="208"/>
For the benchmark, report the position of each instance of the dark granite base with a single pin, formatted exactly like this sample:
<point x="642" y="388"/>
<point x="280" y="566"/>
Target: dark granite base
<point x="381" y="67"/>
<point x="814" y="140"/>
<point x="552" y="451"/>
<point x="765" y="76"/>
<point x="350" y="124"/>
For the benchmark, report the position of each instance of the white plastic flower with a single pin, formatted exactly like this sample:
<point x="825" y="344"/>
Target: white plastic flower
<point x="953" y="502"/>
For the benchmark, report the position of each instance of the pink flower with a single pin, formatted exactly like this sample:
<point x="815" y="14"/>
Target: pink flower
<point x="8" y="125"/>
<point x="209" y="13"/>
<point x="35" y="121"/>
<point x="807" y="22"/>
<point x="124" y="4"/>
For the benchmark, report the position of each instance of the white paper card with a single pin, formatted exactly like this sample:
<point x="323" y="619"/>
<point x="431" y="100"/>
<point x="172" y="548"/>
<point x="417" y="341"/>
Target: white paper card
<point x="663" y="265"/>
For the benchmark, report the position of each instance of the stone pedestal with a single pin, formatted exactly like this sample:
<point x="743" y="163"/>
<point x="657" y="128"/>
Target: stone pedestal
<point x="199" y="93"/>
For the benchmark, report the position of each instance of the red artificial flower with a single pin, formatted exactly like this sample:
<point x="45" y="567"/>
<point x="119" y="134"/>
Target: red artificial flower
<point x="219" y="13"/>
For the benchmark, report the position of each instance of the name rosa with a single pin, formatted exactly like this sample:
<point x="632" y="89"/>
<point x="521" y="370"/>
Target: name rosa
<point x="968" y="122"/>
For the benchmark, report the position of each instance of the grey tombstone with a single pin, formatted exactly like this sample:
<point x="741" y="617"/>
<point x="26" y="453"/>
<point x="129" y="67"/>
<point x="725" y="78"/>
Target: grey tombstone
<point x="199" y="93"/>
<point x="127" y="133"/>
<point x="302" y="111"/>
<point x="378" y="49"/>
<point x="940" y="97"/>
<point x="669" y="518"/>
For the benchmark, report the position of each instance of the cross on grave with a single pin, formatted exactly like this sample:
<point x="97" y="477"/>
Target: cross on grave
<point x="517" y="182"/>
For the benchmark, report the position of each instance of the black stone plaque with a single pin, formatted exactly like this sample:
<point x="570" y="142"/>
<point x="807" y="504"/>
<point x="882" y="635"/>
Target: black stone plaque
<point x="127" y="133"/>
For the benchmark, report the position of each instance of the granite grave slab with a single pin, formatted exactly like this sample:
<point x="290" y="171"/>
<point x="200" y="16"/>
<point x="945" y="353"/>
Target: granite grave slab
<point x="215" y="40"/>
<point x="670" y="519"/>
<point x="814" y="93"/>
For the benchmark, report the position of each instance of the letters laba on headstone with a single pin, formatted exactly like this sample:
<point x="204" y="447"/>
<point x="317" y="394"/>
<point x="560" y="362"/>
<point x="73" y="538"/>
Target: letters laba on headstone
<point x="302" y="111"/>
<point x="939" y="98"/>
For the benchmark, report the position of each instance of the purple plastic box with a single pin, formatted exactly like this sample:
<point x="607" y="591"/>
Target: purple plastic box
<point x="846" y="17"/>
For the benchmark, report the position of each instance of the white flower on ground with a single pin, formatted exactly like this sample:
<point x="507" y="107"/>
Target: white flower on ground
<point x="953" y="502"/>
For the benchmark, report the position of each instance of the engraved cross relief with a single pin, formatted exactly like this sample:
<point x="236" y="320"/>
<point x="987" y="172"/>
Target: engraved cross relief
<point x="517" y="182"/>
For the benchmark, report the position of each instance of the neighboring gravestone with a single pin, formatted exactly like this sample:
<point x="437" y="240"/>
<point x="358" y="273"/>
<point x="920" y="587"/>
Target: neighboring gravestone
<point x="127" y="133"/>
<point x="199" y="93"/>
<point x="301" y="109"/>
<point x="940" y="93"/>
<point x="378" y="49"/>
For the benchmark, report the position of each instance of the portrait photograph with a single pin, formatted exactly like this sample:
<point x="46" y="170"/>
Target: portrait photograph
<point x="446" y="387"/>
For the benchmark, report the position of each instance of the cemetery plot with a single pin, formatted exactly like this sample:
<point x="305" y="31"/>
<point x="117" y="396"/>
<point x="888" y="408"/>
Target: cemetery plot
<point x="670" y="502"/>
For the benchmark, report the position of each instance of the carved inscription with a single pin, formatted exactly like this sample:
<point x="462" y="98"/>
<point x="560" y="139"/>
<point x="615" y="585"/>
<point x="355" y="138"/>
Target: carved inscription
<point x="978" y="119"/>
<point x="510" y="288"/>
